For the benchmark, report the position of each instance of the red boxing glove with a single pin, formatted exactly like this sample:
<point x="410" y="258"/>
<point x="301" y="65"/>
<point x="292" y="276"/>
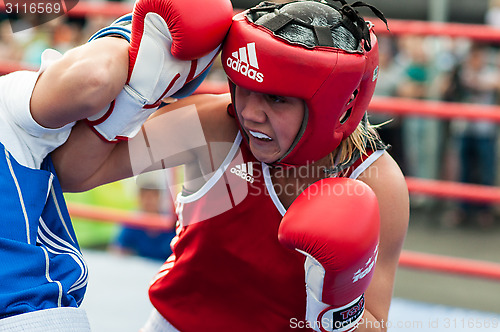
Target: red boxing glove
<point x="197" y="27"/>
<point x="335" y="223"/>
<point x="172" y="42"/>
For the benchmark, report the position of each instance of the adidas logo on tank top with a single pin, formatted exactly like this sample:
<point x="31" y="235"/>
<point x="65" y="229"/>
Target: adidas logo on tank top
<point x="244" y="171"/>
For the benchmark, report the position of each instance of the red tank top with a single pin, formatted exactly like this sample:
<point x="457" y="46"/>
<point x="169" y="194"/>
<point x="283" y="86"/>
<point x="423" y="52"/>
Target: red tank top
<point x="228" y="272"/>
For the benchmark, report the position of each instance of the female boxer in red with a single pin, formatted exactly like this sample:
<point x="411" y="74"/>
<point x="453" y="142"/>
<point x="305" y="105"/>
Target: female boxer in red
<point x="292" y="135"/>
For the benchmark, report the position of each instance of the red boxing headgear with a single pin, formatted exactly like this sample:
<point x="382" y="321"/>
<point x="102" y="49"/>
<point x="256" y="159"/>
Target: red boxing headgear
<point x="256" y="57"/>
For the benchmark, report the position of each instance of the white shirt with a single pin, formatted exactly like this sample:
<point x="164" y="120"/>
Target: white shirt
<point x="21" y="135"/>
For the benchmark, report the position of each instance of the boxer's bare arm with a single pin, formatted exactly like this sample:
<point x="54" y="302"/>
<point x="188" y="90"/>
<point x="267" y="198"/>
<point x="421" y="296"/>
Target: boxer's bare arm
<point x="388" y="183"/>
<point x="84" y="81"/>
<point x="176" y="134"/>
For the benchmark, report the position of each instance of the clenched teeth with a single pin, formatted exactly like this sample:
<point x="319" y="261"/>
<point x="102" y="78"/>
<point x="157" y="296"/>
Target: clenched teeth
<point x="260" y="136"/>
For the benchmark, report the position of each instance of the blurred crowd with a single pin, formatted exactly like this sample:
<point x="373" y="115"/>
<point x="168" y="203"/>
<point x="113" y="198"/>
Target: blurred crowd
<point x="450" y="70"/>
<point x="424" y="68"/>
<point x="32" y="36"/>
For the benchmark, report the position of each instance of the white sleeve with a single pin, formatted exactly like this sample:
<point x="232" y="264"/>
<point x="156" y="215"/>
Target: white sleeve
<point x="18" y="89"/>
<point x="27" y="141"/>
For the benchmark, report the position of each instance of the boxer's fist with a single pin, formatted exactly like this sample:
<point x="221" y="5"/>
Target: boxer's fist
<point x="172" y="43"/>
<point x="335" y="224"/>
<point x="180" y="37"/>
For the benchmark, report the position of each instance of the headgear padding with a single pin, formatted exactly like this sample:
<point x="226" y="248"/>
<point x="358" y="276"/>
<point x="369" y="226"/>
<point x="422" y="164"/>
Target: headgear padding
<point x="308" y="50"/>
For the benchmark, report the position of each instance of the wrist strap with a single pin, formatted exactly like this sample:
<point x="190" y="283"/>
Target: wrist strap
<point x="125" y="122"/>
<point x="345" y="318"/>
<point x="120" y="27"/>
<point x="326" y="318"/>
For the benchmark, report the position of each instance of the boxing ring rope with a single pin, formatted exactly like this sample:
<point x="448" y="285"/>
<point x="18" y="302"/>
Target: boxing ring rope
<point x="406" y="106"/>
<point x="450" y="265"/>
<point x="126" y="218"/>
<point x="435" y="109"/>
<point x="454" y="190"/>
<point x="397" y="27"/>
<point x="408" y="259"/>
<point x="390" y="105"/>
<point x="476" y="32"/>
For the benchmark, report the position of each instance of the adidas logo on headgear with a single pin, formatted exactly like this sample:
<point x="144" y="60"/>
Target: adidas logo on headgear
<point x="242" y="61"/>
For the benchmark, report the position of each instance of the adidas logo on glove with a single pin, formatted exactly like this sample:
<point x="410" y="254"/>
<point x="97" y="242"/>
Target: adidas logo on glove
<point x="244" y="61"/>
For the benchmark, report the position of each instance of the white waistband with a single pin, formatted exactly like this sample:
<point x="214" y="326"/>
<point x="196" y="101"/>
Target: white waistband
<point x="53" y="320"/>
<point x="156" y="323"/>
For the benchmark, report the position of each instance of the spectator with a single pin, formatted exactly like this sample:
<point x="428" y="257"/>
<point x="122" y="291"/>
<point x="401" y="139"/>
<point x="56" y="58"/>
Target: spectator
<point x="10" y="47"/>
<point x="492" y="16"/>
<point x="420" y="135"/>
<point x="475" y="81"/>
<point x="154" y="198"/>
<point x="390" y="75"/>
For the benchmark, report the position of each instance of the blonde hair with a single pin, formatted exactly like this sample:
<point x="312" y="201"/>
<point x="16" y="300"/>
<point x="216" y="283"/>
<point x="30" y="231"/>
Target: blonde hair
<point x="364" y="137"/>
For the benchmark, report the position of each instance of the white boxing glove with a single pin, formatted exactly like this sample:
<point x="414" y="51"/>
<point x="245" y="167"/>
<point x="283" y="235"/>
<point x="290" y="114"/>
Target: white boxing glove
<point x="172" y="44"/>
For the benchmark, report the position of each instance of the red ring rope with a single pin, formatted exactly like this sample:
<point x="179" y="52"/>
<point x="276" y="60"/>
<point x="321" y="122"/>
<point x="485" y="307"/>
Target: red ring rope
<point x="452" y="265"/>
<point x="397" y="27"/>
<point x="408" y="259"/>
